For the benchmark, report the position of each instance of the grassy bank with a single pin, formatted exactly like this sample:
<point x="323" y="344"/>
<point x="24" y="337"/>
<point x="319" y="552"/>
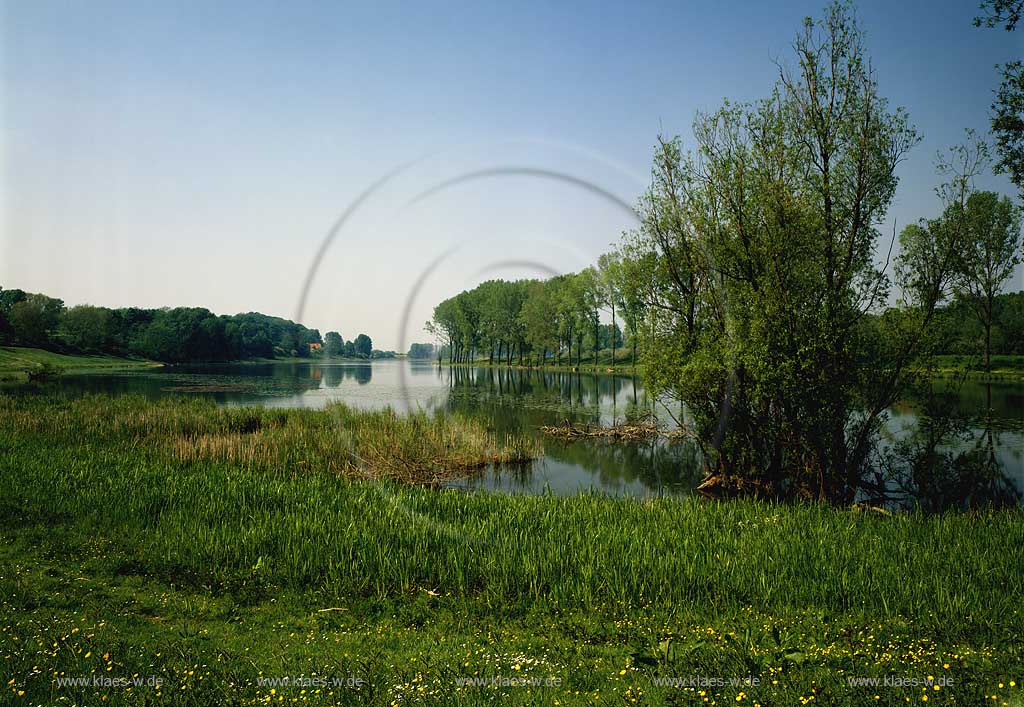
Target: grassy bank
<point x="1003" y="367"/>
<point x="16" y="360"/>
<point x="132" y="547"/>
<point x="622" y="362"/>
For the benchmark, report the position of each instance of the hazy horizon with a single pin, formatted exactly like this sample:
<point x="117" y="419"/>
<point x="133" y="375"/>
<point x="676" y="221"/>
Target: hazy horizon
<point x="197" y="156"/>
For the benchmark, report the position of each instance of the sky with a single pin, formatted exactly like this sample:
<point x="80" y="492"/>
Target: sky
<point x="199" y="154"/>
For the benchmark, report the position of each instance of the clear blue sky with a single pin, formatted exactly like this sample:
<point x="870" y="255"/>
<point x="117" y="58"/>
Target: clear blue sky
<point x="196" y="154"/>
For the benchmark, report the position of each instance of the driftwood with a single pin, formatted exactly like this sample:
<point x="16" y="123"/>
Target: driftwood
<point x="721" y="486"/>
<point x="623" y="432"/>
<point x="870" y="507"/>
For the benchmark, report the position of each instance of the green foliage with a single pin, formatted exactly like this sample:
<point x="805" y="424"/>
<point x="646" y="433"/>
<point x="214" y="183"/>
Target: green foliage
<point x="752" y="286"/>
<point x="530" y="321"/>
<point x="1008" y="122"/>
<point x="988" y="256"/>
<point x="170" y="335"/>
<point x="187" y="565"/>
<point x="363" y="346"/>
<point x="1000" y="12"/>
<point x="43" y="371"/>
<point x="34" y="318"/>
<point x="8" y="298"/>
<point x="334" y="344"/>
<point x="762" y="243"/>
<point x="1008" y="108"/>
<point x="89" y="329"/>
<point x="421" y="351"/>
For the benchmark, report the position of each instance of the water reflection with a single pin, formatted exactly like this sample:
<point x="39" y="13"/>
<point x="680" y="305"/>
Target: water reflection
<point x="521" y="401"/>
<point x="959" y="447"/>
<point x="333" y="375"/>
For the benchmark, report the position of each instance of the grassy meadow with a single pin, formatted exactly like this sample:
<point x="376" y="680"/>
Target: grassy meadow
<point x="218" y="548"/>
<point x="1004" y="366"/>
<point x="15" y="361"/>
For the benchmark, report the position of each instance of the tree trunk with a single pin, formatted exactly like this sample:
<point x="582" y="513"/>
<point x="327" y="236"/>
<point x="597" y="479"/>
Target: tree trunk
<point x="613" y="335"/>
<point x="988" y="345"/>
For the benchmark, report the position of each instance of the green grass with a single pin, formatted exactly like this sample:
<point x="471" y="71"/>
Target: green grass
<point x="210" y="571"/>
<point x="16" y="360"/>
<point x="1003" y="366"/>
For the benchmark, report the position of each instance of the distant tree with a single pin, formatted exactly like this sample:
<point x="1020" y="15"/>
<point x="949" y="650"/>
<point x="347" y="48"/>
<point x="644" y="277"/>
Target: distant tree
<point x="1010" y="318"/>
<point x="610" y="336"/>
<point x="90" y="329"/>
<point x="350" y="349"/>
<point x="288" y="343"/>
<point x="185" y="334"/>
<point x="34" y="318"/>
<point x="334" y="345"/>
<point x="363" y="346"/>
<point x="592" y="300"/>
<point x="443" y="325"/>
<point x="131" y="325"/>
<point x="538" y="319"/>
<point x="609" y="267"/>
<point x="988" y="256"/>
<point x="8" y="298"/>
<point x="420" y="351"/>
<point x="573" y="312"/>
<point x="634" y="275"/>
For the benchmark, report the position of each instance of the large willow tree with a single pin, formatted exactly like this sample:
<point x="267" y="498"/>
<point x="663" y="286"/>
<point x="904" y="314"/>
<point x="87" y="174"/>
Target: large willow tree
<point x="765" y="242"/>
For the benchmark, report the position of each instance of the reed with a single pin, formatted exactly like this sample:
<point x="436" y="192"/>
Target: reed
<point x="225" y="487"/>
<point x="195" y="505"/>
<point x="414" y="448"/>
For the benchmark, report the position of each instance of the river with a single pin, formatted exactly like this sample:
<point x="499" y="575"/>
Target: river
<point x="519" y="401"/>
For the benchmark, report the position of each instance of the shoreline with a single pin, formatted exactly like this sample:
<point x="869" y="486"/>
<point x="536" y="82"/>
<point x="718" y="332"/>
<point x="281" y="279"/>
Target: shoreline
<point x="209" y="517"/>
<point x="1008" y="375"/>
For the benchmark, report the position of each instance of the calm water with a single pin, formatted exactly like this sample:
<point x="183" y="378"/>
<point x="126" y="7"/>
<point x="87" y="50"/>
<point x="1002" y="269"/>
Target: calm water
<point x="520" y="402"/>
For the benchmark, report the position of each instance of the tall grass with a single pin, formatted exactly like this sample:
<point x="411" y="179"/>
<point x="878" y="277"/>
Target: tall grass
<point x="188" y="490"/>
<point x="16" y="360"/>
<point x="414" y="448"/>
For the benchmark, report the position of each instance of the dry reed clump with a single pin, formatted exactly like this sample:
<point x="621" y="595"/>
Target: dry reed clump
<point x="415" y="448"/>
<point x="621" y="432"/>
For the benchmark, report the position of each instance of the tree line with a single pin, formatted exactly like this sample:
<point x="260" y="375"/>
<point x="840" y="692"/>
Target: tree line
<point x="531" y="322"/>
<point x="335" y="346"/>
<point x="753" y="290"/>
<point x="468" y="324"/>
<point x="171" y="335"/>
